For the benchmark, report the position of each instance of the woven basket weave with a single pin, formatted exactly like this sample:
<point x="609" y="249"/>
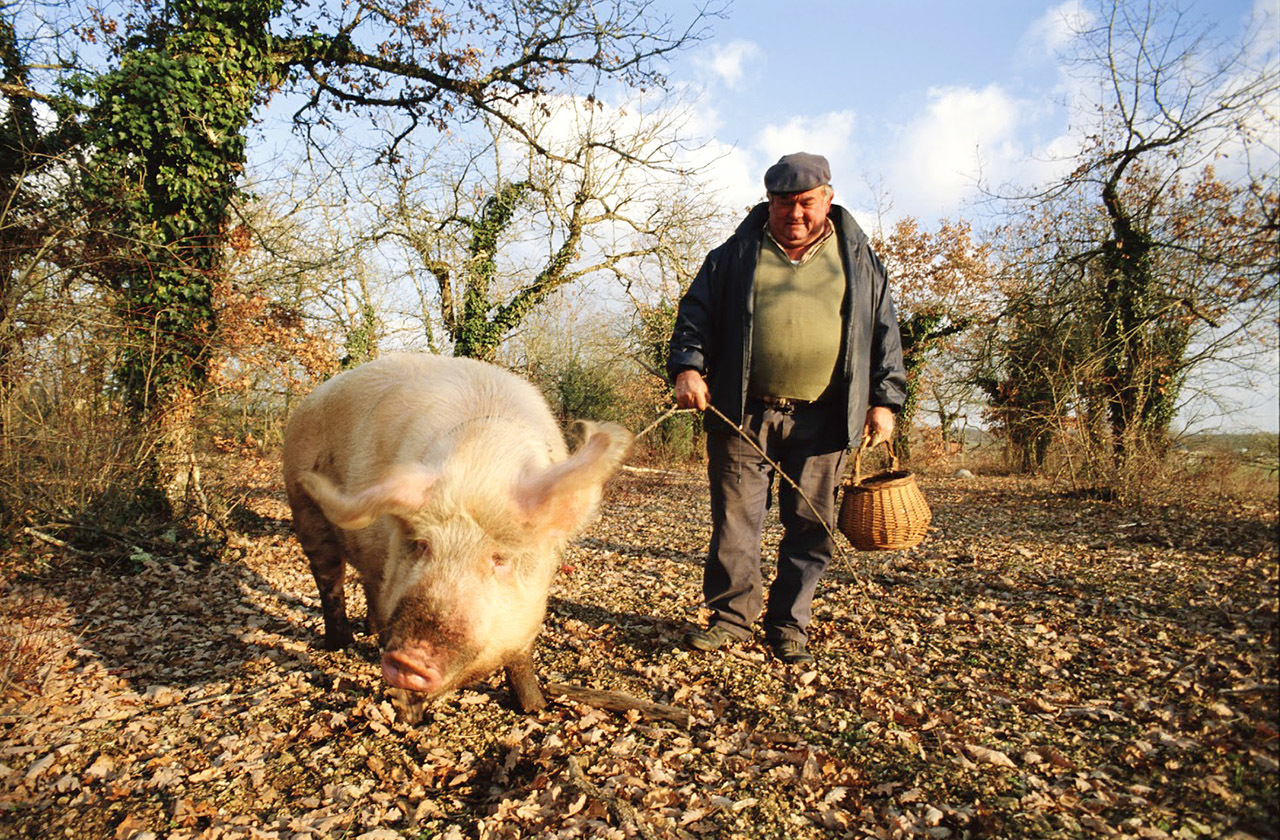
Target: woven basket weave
<point x="885" y="511"/>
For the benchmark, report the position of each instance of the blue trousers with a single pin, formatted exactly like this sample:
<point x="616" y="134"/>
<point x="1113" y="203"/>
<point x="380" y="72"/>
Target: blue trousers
<point x="808" y="442"/>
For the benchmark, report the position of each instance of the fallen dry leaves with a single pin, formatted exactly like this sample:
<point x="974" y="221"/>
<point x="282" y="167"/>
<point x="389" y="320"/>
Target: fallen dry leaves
<point x="1043" y="666"/>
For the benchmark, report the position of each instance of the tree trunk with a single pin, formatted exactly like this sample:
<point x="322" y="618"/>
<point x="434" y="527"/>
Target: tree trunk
<point x="1127" y="261"/>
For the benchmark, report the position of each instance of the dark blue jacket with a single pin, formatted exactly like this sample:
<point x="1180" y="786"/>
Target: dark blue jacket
<point x="713" y="323"/>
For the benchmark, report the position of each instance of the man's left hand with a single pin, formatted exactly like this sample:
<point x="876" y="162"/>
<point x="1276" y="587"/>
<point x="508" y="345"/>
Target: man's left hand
<point x="879" y="425"/>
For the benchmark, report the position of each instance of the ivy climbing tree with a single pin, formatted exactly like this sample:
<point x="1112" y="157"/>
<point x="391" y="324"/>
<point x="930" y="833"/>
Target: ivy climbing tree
<point x="1155" y="256"/>
<point x="478" y="328"/>
<point x="166" y="128"/>
<point x="542" y="210"/>
<point x="167" y="136"/>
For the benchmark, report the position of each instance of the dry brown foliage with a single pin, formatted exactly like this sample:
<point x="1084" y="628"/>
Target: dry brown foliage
<point x="1043" y="665"/>
<point x="260" y="338"/>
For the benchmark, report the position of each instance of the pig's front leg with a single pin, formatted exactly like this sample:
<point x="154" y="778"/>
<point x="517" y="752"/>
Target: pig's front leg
<point x="328" y="567"/>
<point x="523" y="682"/>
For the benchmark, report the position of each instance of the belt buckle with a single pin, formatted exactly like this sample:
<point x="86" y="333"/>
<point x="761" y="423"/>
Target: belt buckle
<point x="784" y="404"/>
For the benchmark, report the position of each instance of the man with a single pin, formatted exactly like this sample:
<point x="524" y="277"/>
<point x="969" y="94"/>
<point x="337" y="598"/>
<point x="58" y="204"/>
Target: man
<point x="790" y="332"/>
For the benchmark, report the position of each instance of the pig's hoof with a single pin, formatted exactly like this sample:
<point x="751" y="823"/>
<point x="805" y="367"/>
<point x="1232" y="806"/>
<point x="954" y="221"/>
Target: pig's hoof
<point x="337" y="641"/>
<point x="528" y="695"/>
<point x="531" y="703"/>
<point x="524" y="684"/>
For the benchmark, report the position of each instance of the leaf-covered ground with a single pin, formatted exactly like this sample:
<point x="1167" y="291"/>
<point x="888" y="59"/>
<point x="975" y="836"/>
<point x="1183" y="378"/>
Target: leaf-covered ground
<point x="1043" y="666"/>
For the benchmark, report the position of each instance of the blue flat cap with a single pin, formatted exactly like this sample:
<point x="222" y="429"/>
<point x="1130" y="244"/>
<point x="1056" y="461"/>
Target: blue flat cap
<point x="797" y="172"/>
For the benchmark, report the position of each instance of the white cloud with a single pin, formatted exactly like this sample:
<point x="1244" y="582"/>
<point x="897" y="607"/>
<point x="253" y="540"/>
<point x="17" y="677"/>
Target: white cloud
<point x="964" y="135"/>
<point x="1053" y="31"/>
<point x="830" y="135"/>
<point x="730" y="62"/>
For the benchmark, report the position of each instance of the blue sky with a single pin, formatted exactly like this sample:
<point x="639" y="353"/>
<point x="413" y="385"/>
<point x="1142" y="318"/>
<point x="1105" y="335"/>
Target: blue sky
<point x="903" y="97"/>
<point x="907" y="99"/>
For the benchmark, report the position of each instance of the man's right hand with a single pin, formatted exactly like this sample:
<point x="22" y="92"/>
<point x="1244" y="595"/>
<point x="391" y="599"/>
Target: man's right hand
<point x="692" y="391"/>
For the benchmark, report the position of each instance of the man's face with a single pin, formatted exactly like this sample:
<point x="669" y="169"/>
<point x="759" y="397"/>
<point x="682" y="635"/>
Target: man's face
<point x="796" y="219"/>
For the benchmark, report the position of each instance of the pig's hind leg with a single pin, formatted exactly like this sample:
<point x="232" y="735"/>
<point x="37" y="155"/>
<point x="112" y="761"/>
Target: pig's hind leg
<point x="523" y="682"/>
<point x="320" y="543"/>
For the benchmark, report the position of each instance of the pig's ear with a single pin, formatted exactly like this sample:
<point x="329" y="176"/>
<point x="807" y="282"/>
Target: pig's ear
<point x="404" y="489"/>
<point x="562" y="498"/>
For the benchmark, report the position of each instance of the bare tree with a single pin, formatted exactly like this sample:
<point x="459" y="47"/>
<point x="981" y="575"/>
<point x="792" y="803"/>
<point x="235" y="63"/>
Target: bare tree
<point x="586" y="191"/>
<point x="1156" y="253"/>
<point x="166" y="117"/>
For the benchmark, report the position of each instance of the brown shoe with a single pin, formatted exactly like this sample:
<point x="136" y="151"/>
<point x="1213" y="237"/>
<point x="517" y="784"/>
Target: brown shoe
<point x="713" y="638"/>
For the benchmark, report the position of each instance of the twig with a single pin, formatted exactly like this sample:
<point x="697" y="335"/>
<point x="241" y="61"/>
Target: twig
<point x="1251" y="689"/>
<point x="669" y="412"/>
<point x="616" y="701"/>
<point x="631" y="468"/>
<point x="54" y="541"/>
<point x="650" y="368"/>
<point x="226" y="696"/>
<point x="838" y="550"/>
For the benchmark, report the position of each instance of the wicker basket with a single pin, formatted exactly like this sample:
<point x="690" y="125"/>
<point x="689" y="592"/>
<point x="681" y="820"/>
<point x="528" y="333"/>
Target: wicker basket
<point x="886" y="511"/>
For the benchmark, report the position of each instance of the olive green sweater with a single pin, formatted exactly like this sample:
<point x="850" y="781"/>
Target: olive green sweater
<point x="797" y="327"/>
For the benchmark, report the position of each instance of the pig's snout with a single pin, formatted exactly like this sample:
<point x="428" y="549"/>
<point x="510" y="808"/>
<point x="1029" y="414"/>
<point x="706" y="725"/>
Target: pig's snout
<point x="411" y="671"/>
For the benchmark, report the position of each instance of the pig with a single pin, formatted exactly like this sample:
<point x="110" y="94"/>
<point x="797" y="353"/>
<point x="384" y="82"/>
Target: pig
<point x="447" y="485"/>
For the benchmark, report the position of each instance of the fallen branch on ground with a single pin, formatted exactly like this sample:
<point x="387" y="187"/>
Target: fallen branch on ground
<point x="623" y="812"/>
<point x="616" y="701"/>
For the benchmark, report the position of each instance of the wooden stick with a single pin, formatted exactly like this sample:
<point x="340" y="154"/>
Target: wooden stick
<point x="54" y="541"/>
<point x="616" y="701"/>
<point x="837" y="550"/>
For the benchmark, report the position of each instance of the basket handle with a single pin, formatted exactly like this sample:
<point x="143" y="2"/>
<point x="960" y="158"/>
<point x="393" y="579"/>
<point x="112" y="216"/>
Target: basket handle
<point x="857" y="458"/>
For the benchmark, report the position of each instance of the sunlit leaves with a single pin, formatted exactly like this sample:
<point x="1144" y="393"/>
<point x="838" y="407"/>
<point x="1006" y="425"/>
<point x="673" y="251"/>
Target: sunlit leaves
<point x="1070" y="671"/>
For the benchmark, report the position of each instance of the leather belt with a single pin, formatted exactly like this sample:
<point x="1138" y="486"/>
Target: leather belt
<point x="781" y="403"/>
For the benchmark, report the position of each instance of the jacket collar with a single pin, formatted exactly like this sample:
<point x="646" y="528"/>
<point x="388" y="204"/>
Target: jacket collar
<point x="752" y="227"/>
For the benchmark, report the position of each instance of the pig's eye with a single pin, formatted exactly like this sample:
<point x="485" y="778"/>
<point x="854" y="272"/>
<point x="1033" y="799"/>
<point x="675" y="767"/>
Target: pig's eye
<point x="501" y="561"/>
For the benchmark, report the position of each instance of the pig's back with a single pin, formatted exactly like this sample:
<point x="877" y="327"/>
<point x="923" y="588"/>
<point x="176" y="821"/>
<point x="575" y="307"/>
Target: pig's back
<point x="397" y="407"/>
